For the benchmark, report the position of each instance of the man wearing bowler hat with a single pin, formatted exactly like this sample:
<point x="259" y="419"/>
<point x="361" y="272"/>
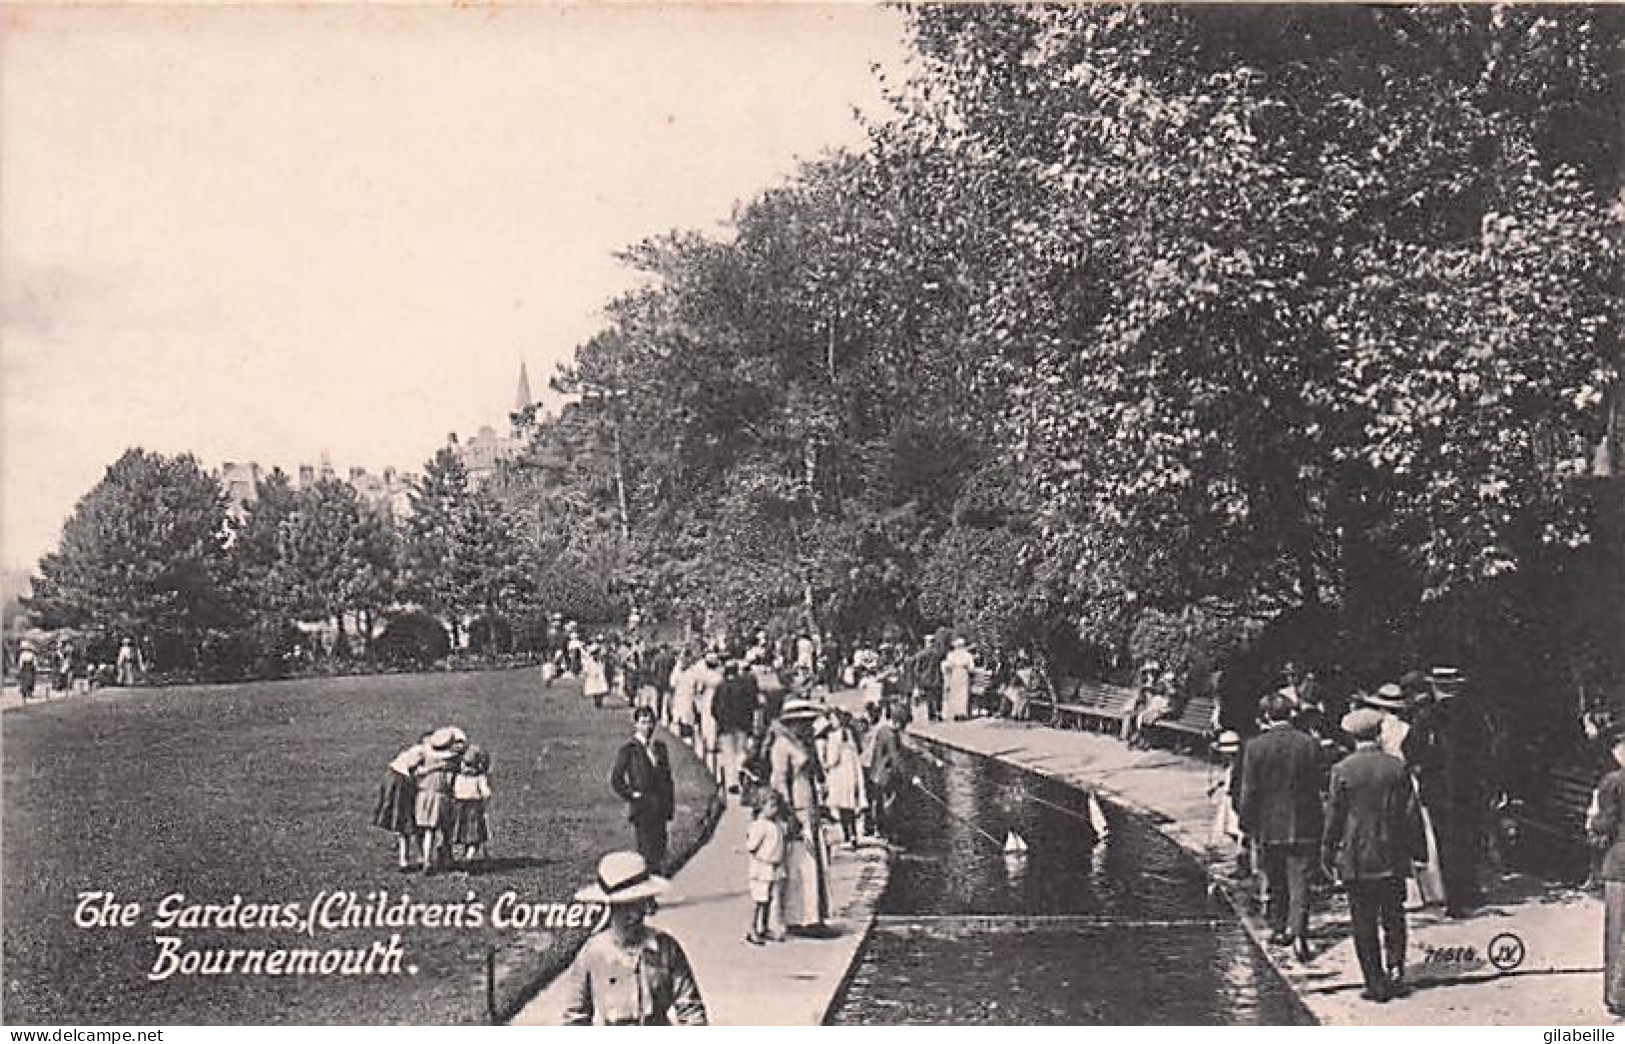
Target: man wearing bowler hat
<point x="1446" y="748"/>
<point x="630" y="974"/>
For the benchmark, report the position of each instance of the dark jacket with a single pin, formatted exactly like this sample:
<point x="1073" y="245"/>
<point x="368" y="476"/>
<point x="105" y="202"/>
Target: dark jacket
<point x="1607" y="828"/>
<point x="734" y="705"/>
<point x="1446" y="747"/>
<point x="1280" y="788"/>
<point x="1373" y="818"/>
<point x="644" y="785"/>
<point x="885" y="756"/>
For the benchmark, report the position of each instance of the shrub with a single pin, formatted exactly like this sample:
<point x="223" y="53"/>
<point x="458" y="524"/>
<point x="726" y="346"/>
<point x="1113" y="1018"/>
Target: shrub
<point x="412" y="638"/>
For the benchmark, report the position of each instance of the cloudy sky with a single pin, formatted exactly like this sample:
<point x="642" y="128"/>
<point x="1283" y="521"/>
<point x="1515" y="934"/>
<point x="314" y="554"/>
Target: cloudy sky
<point x="265" y="234"/>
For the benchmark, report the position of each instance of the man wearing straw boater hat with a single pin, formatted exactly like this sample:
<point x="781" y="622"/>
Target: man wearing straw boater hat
<point x="1446" y="748"/>
<point x="1389" y="703"/>
<point x="1373" y="832"/>
<point x="630" y="974"/>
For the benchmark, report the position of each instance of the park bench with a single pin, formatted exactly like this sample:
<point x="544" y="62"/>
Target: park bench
<point x="1551" y="819"/>
<point x="1190" y="729"/>
<point x="1093" y="703"/>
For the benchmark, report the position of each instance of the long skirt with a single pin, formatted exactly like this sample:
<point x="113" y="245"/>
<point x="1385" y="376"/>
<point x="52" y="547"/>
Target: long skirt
<point x="1613" y="947"/>
<point x="1226" y="826"/>
<point x="397" y="804"/>
<point x="1426" y="888"/>
<point x="806" y="874"/>
<point x="469" y="825"/>
<point x="956" y="696"/>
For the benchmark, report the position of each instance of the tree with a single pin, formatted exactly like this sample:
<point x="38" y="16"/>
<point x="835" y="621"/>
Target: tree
<point x="144" y="553"/>
<point x="461" y="548"/>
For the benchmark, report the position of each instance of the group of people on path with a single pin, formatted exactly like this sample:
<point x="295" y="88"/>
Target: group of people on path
<point x="633" y="973"/>
<point x="68" y="670"/>
<point x="435" y="799"/>
<point x="1403" y="803"/>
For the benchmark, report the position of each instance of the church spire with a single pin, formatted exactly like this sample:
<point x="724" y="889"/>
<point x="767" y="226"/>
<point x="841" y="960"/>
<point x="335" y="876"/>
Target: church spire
<point x="523" y="398"/>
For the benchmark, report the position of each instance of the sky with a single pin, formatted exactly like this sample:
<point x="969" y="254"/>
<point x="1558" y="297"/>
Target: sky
<point x="263" y="235"/>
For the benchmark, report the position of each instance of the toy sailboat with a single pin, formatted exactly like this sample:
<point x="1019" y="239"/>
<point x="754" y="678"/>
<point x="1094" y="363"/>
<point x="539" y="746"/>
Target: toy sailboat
<point x="1013" y="843"/>
<point x="1097" y="816"/>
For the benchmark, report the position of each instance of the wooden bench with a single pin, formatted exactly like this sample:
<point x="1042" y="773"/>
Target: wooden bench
<point x="1190" y="729"/>
<point x="1551" y="821"/>
<point x="1094" y="703"/>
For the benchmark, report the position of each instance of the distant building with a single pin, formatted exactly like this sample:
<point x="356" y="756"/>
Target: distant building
<point x="391" y="489"/>
<point x="388" y="491"/>
<point x="486" y="449"/>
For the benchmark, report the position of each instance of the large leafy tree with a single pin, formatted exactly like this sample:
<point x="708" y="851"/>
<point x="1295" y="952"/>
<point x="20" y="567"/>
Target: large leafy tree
<point x="144" y="553"/>
<point x="1289" y="289"/>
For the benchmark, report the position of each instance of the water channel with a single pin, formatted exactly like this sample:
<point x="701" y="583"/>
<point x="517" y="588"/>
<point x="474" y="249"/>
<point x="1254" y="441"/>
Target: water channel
<point x="1118" y="929"/>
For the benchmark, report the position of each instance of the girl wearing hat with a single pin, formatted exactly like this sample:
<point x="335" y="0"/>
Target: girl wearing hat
<point x="434" y="806"/>
<point x="1226" y="824"/>
<point x="396" y="810"/>
<point x="630" y="974"/>
<point x="843" y="770"/>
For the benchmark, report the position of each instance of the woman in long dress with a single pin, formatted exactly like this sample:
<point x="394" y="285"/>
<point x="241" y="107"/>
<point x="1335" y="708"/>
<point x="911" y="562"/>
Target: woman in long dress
<point x="957" y="667"/>
<point x="793" y="774"/>
<point x="1607" y="831"/>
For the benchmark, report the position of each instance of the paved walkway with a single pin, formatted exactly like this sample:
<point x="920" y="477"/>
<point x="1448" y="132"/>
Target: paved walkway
<point x="1558" y="982"/>
<point x="791" y="983"/>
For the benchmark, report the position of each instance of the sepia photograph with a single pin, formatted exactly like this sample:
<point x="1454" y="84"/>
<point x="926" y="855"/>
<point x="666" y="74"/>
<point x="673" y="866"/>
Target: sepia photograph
<point x="812" y="514"/>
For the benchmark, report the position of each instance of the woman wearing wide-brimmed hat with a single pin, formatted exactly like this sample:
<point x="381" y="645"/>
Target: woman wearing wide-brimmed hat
<point x="794" y="775"/>
<point x="630" y="974"/>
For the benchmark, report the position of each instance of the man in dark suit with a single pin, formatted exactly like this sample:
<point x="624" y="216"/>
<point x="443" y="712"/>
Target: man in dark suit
<point x="1446" y="748"/>
<point x="642" y="778"/>
<point x="1373" y="832"/>
<point x="1280" y="812"/>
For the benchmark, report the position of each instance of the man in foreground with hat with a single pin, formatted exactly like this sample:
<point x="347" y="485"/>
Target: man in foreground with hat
<point x="631" y="974"/>
<point x="1373" y="832"/>
<point x="1389" y="702"/>
<point x="642" y="778"/>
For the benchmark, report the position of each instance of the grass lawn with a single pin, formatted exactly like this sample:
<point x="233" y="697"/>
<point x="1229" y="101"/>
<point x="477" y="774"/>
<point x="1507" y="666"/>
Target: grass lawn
<point x="266" y="791"/>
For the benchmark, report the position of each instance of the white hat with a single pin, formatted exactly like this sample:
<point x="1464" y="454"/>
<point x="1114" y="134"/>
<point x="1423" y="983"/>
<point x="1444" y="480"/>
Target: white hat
<point x="1228" y="742"/>
<point x="442" y="739"/>
<point x="1389" y="697"/>
<point x="623" y="877"/>
<point x="801" y="710"/>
